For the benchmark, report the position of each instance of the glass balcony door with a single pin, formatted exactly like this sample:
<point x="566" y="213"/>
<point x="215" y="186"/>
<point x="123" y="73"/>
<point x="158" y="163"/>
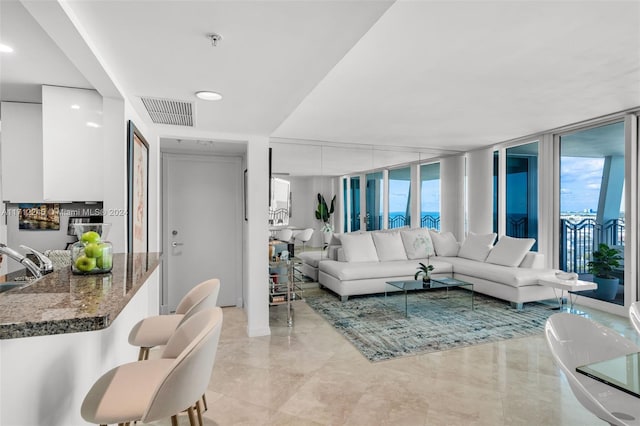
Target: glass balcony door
<point x="374" y="201"/>
<point x="592" y="173"/>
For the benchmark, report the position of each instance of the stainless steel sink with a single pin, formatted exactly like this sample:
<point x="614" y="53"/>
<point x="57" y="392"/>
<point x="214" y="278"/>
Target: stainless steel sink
<point x="12" y="284"/>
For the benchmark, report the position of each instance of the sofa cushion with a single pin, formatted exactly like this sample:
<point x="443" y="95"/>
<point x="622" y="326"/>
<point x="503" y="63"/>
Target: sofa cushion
<point x="532" y="259"/>
<point x="444" y="243"/>
<point x="514" y="277"/>
<point x="359" y="248"/>
<point x="417" y="243"/>
<point x="510" y="251"/>
<point x="312" y="258"/>
<point x="477" y="246"/>
<point x="348" y="271"/>
<point x="389" y="246"/>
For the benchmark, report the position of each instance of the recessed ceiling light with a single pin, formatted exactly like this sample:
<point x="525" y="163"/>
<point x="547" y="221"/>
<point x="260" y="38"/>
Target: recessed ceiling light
<point x="209" y="96"/>
<point x="92" y="124"/>
<point x="5" y="49"/>
<point x="75" y="106"/>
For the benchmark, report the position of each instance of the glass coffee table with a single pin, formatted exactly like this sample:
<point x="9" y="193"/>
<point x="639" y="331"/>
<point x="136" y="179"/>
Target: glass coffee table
<point x="435" y="283"/>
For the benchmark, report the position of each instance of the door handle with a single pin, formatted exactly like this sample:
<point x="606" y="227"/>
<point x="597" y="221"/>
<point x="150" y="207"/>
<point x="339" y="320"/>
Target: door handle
<point x="174" y="244"/>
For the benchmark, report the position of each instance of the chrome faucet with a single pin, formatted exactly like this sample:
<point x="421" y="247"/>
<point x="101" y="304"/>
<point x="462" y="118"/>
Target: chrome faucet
<point x="32" y="267"/>
<point x="45" y="264"/>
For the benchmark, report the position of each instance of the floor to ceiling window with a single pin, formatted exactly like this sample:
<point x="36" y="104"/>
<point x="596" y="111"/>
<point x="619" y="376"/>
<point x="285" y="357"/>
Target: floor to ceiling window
<point x="374" y="199"/>
<point x="355" y="203"/>
<point x="430" y="196"/>
<point x="399" y="197"/>
<point x="521" y="193"/>
<point x="592" y="172"/>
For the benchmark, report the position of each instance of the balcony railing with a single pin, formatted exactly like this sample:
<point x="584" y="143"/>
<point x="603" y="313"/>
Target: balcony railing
<point x="399" y="221"/>
<point x="578" y="240"/>
<point x="279" y="217"/>
<point x="432" y="222"/>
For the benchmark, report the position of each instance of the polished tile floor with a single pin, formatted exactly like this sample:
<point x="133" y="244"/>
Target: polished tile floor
<point x="310" y="375"/>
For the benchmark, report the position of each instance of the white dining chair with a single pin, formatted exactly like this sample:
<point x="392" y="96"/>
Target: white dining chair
<point x="304" y="236"/>
<point x="575" y="341"/>
<point x="156" y="330"/>
<point x="160" y="388"/>
<point x="284" y="235"/>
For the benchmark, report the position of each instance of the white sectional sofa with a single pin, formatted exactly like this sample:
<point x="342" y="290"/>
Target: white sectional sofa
<point x="361" y="263"/>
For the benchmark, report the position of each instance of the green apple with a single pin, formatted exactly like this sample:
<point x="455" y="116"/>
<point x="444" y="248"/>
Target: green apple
<point x="93" y="250"/>
<point x="85" y="264"/>
<point x="90" y="237"/>
<point x="105" y="261"/>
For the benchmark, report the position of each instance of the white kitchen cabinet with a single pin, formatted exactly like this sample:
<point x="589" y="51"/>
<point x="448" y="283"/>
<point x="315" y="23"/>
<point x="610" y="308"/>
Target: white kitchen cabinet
<point x="21" y="152"/>
<point x="53" y="151"/>
<point x="72" y="144"/>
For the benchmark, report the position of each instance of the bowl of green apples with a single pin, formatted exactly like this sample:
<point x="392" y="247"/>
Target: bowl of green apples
<point x="91" y="254"/>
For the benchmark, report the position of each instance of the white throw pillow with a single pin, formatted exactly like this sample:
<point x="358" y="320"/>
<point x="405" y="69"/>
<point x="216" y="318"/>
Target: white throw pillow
<point x="417" y="243"/>
<point x="510" y="251"/>
<point x="389" y="246"/>
<point x="359" y="248"/>
<point x="444" y="243"/>
<point x="477" y="246"/>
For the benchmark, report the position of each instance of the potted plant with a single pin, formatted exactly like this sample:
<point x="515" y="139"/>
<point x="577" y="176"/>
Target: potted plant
<point x="323" y="213"/>
<point x="604" y="260"/>
<point x="425" y="271"/>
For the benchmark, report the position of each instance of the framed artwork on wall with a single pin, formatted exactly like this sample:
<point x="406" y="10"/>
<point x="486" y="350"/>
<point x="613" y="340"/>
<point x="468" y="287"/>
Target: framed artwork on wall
<point x="39" y="217"/>
<point x="138" y="191"/>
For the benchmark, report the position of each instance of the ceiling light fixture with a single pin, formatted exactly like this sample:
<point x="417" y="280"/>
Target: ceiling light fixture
<point x="208" y="96"/>
<point x="214" y="38"/>
<point x="92" y="124"/>
<point x="75" y="106"/>
<point x="5" y="49"/>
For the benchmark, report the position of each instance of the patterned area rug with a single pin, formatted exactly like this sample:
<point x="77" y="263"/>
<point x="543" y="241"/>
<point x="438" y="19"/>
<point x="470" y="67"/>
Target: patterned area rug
<point x="378" y="328"/>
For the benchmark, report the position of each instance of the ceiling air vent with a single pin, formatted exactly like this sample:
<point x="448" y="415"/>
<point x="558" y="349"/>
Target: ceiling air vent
<point x="167" y="111"/>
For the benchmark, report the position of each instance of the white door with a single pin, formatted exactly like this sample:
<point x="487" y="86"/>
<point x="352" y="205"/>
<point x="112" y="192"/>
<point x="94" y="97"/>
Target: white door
<point x="202" y="226"/>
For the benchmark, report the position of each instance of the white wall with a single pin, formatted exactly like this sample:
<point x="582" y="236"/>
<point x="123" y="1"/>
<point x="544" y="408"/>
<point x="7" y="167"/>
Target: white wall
<point x="452" y="195"/>
<point x="302" y="202"/>
<point x="480" y="191"/>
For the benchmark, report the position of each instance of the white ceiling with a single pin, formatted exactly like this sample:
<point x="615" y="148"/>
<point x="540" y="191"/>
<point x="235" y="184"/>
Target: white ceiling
<point x="36" y="59"/>
<point x="336" y="81"/>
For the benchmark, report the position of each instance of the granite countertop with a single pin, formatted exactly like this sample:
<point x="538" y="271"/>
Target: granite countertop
<point x="61" y="302"/>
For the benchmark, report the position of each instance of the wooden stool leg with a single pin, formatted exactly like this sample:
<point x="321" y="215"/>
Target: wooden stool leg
<point x="199" y="413"/>
<point x="174" y="420"/>
<point x="204" y="403"/>
<point x="192" y="417"/>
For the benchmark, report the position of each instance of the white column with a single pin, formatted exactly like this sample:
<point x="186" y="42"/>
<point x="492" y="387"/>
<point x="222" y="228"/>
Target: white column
<point x="632" y="209"/>
<point x="480" y="189"/>
<point x="256" y="289"/>
<point x="452" y="195"/>
<point x="415" y="196"/>
<point x="114" y="157"/>
<point x="385" y="199"/>
<point x="549" y="198"/>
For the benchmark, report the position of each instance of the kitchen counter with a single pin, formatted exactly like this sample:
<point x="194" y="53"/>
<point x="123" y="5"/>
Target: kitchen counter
<point x="61" y="302"/>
